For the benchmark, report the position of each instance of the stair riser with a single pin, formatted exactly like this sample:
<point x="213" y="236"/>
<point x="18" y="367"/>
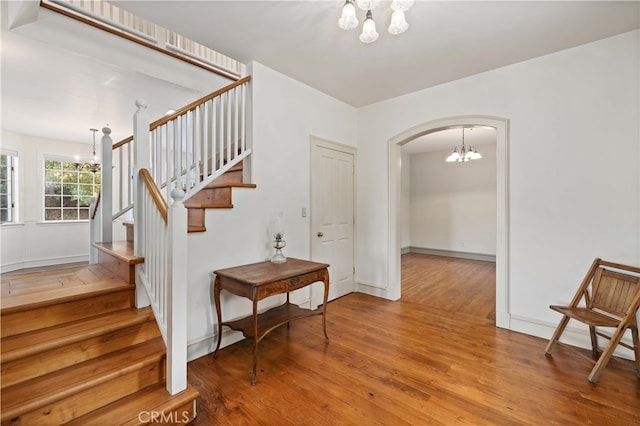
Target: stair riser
<point x="47" y="316"/>
<point x="196" y="217"/>
<point x="81" y="403"/>
<point x="212" y="196"/>
<point x="232" y="176"/>
<point x="54" y="359"/>
<point x="121" y="268"/>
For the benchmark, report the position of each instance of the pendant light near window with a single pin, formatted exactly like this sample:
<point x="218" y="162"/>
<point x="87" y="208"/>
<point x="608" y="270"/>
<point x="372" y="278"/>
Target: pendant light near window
<point x="93" y="166"/>
<point x="463" y="153"/>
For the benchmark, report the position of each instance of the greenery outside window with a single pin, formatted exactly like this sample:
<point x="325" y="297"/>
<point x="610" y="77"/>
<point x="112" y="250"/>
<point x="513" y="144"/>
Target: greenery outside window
<point x="68" y="190"/>
<point x="8" y="173"/>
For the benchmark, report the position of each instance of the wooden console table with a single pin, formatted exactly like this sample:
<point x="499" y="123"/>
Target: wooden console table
<point x="260" y="280"/>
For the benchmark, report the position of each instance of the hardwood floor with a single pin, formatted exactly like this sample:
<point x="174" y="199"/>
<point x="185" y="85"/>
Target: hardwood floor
<point x="435" y="357"/>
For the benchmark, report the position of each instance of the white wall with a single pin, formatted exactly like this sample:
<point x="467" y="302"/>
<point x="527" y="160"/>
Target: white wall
<point x="574" y="166"/>
<point x="453" y="205"/>
<point x="285" y="114"/>
<point x="31" y="242"/>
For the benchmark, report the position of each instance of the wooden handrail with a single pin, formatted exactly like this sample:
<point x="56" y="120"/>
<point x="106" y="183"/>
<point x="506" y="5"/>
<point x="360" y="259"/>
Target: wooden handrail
<point x="155" y="194"/>
<point x="194" y="104"/>
<point x="186" y="108"/>
<point x="95" y="209"/>
<point x="122" y="142"/>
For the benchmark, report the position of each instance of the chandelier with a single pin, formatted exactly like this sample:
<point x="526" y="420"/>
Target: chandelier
<point x="93" y="166"/>
<point x="349" y="20"/>
<point x="463" y="153"/>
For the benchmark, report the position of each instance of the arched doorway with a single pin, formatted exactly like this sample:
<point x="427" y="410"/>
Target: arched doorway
<point x="502" y="194"/>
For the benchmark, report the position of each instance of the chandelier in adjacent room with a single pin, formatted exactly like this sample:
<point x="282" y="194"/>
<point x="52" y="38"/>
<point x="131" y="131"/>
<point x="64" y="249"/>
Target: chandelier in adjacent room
<point x="463" y="153"/>
<point x="349" y="20"/>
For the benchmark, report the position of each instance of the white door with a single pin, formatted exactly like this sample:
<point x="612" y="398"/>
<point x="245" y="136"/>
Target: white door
<point x="332" y="216"/>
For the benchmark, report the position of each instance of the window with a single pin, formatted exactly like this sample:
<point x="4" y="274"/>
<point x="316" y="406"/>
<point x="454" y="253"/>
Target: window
<point x="8" y="173"/>
<point x="68" y="190"/>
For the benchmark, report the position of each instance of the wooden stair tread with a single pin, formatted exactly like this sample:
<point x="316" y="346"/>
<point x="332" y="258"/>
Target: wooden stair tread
<point x="216" y="184"/>
<point x="193" y="228"/>
<point x="154" y="399"/>
<point x="19" y="294"/>
<point x="35" y="393"/>
<point x="27" y="344"/>
<point x="122" y="250"/>
<point x="207" y="206"/>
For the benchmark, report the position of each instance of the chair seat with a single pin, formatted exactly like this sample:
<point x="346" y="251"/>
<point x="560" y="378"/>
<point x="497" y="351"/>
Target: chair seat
<point x="587" y="316"/>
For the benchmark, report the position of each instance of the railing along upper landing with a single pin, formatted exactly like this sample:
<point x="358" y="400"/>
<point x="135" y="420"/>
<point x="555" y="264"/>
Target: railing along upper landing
<point x="189" y="148"/>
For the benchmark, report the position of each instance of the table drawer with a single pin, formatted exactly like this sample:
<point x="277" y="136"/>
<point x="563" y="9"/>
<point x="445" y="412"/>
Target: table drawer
<point x="290" y="284"/>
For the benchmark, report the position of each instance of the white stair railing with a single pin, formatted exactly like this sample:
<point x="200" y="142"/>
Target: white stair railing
<point x="189" y="148"/>
<point x="183" y="152"/>
<point x="154" y="172"/>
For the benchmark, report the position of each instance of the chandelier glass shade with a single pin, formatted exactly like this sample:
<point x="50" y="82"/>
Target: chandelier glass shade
<point x="349" y="20"/>
<point x="369" y="33"/>
<point x="463" y="153"/>
<point x="398" y="23"/>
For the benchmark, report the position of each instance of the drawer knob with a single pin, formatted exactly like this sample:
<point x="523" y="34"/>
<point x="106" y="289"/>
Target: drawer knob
<point x="295" y="280"/>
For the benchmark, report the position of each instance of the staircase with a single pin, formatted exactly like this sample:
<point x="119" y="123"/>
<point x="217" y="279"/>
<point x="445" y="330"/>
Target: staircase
<point x="74" y="348"/>
<point x="216" y="195"/>
<point x="76" y="351"/>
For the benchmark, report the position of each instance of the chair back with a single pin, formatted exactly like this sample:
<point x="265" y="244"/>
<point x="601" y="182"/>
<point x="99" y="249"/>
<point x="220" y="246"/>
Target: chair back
<point x="614" y="292"/>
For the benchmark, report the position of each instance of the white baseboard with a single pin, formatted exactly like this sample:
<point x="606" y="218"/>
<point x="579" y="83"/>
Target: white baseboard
<point x="375" y="290"/>
<point x="43" y="262"/>
<point x="452" y="253"/>
<point x="205" y="345"/>
<point x="574" y="334"/>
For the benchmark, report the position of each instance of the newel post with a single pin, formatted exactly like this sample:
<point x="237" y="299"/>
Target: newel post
<point x="140" y="161"/>
<point x="177" y="306"/>
<point x="106" y="186"/>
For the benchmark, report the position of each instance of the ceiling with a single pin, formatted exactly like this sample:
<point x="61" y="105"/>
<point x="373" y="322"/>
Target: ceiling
<point x="446" y="40"/>
<point x="60" y="78"/>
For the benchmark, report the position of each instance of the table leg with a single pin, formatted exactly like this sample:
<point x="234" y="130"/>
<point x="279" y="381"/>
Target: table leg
<point x="216" y="299"/>
<point x="255" y="341"/>
<point x="325" y="280"/>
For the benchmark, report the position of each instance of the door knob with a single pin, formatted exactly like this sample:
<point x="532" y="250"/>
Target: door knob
<point x="320" y="234"/>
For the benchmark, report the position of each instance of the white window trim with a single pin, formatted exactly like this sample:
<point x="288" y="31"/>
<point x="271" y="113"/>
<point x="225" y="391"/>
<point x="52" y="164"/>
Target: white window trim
<point x="15" y="187"/>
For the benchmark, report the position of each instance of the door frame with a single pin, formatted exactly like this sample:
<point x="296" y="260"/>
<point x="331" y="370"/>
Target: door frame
<point x="503" y="316"/>
<point x="315" y="141"/>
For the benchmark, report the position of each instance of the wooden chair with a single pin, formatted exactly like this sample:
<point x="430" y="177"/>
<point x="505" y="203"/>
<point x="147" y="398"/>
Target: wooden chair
<point x="611" y="299"/>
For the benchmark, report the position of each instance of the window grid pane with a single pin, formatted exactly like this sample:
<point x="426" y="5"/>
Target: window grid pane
<point x="68" y="191"/>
